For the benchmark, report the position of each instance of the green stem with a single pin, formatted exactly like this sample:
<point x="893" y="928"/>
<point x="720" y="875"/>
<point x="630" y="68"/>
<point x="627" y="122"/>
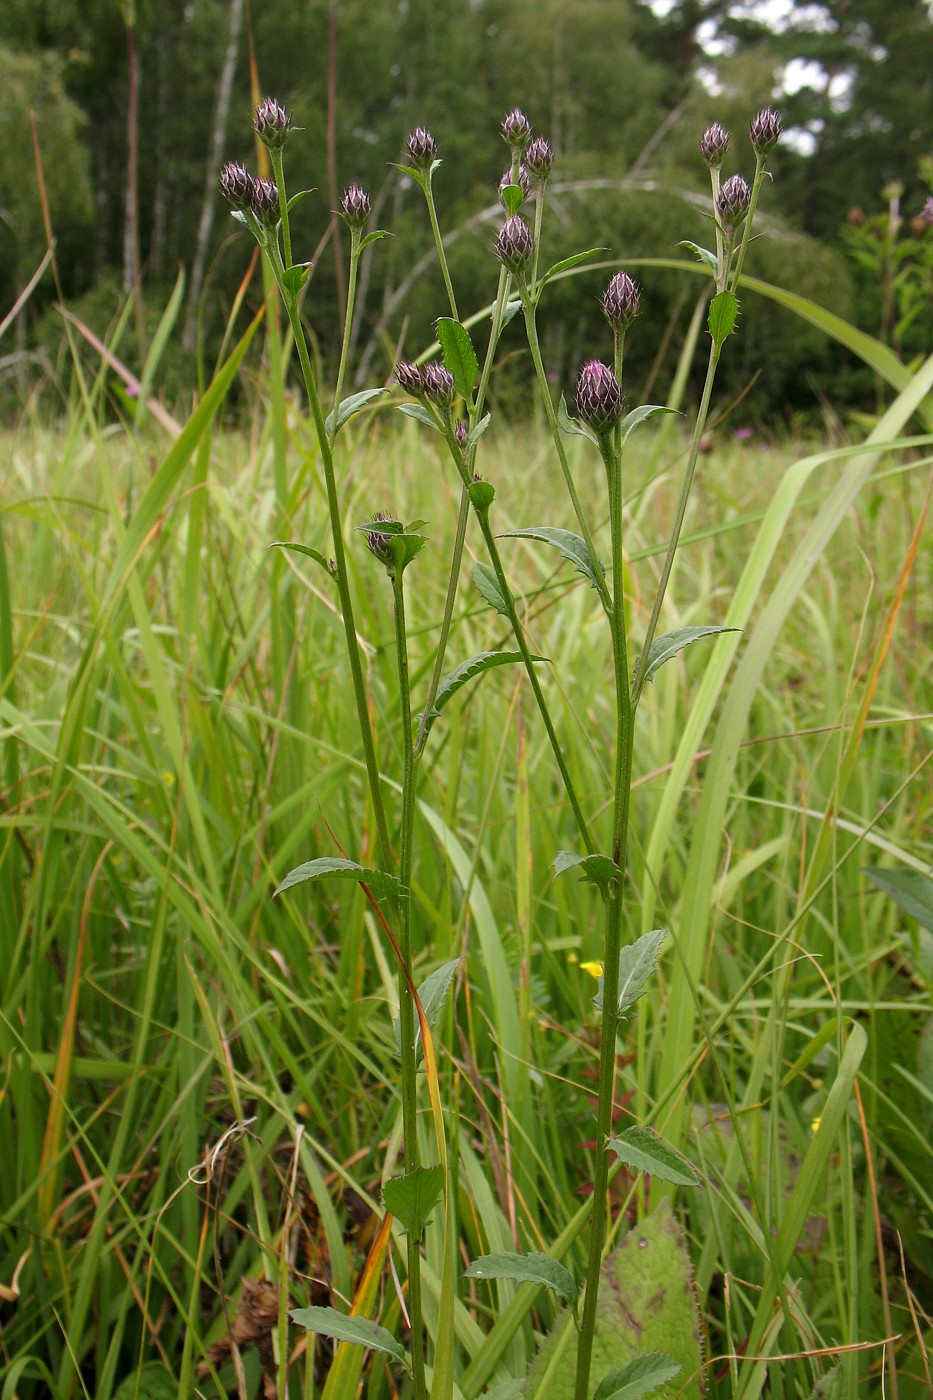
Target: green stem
<point x="278" y="172"/>
<point x="347" y="325"/>
<point x="405" y="1001"/>
<point x="749" y="219"/>
<point x="452" y="582"/>
<point x="439" y="245"/>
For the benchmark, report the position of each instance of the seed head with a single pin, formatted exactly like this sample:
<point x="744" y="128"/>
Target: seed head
<point x="714" y="143"/>
<point x="599" y="396"/>
<point x="264" y="201"/>
<point x="236" y="184"/>
<point x="377" y="541"/>
<point x="439" y="385"/>
<point x="516" y="129"/>
<point x="355" y="206"/>
<point x="422" y="149"/>
<point x="521" y="180"/>
<point x="272" y="124"/>
<point x="765" y="130"/>
<point x="515" y="244"/>
<point x="409" y="378"/>
<point x="538" y="159"/>
<point x="621" y="300"/>
<point x="733" y="200"/>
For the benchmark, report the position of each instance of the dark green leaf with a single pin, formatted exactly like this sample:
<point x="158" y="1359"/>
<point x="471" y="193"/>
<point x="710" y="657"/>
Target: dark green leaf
<point x="337" y="868"/>
<point x="637" y="962"/>
<point x="723" y="311"/>
<point x="512" y="197"/>
<point x="352" y="405"/>
<point x="305" y="549"/>
<point x="373" y="237"/>
<point x="328" y="1322"/>
<point x="566" y="263"/>
<point x="702" y="254"/>
<point x="459" y="355"/>
<point x="639" y="414"/>
<point x="599" y="870"/>
<point x="911" y="890"/>
<point x="642" y="1149"/>
<point x="670" y="643"/>
<point x="480" y="428"/>
<point x="418" y="412"/>
<point x="571" y="546"/>
<point x="638" y="1377"/>
<point x="412" y="1198"/>
<point x="573" y="425"/>
<point x="486" y="583"/>
<point x="527" y="1268"/>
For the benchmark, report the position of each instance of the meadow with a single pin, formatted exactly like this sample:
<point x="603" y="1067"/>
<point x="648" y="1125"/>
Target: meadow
<point x="200" y="1102"/>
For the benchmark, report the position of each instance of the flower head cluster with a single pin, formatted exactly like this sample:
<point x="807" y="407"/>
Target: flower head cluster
<point x="249" y="193"/>
<point x="421" y="149"/>
<point x="355" y="206"/>
<point x="515" y="244"/>
<point x="714" y="143"/>
<point x="765" y="131"/>
<point x="516" y="129"/>
<point x="272" y="124"/>
<point x="599" y="396"/>
<point x="434" y="383"/>
<point x="620" y="301"/>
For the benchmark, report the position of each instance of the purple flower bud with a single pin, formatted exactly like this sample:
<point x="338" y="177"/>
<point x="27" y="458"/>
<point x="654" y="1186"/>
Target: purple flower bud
<point x="621" y="300"/>
<point x="355" y="206"/>
<point x="515" y="244"/>
<point x="516" y="129"/>
<point x="765" y="130"/>
<point x="439" y="385"/>
<point x="599" y="396"/>
<point x="264" y="201"/>
<point x="733" y="200"/>
<point x="377" y="541"/>
<point x="461" y="432"/>
<point x="272" y="124"/>
<point x="714" y="143"/>
<point x="409" y="378"/>
<point x="422" y="149"/>
<point x="522" y="181"/>
<point x="926" y="213"/>
<point x="236" y="184"/>
<point x="538" y="159"/>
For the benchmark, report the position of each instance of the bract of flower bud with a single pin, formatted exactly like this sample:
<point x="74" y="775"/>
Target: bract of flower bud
<point x="355" y="206"/>
<point x="461" y="432"/>
<point x="515" y="244"/>
<point x="516" y="129"/>
<point x="264" y="201"/>
<point x="409" y="378"/>
<point x="621" y="300"/>
<point x="539" y="159"/>
<point x="421" y="149"/>
<point x="439" y="384"/>
<point x="733" y="200"/>
<point x="765" y="130"/>
<point x="714" y="143"/>
<point x="599" y="396"/>
<point x="522" y="181"/>
<point x="272" y="124"/>
<point x="236" y="184"/>
<point x="378" y="542"/>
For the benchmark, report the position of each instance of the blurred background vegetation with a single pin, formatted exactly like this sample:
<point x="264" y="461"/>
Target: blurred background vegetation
<point x="137" y="103"/>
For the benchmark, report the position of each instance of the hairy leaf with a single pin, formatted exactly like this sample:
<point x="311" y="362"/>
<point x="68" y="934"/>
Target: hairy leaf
<point x="642" y="1149"/>
<point x="337" y="868"/>
<point x="411" y="1198"/>
<point x="571" y="546"/>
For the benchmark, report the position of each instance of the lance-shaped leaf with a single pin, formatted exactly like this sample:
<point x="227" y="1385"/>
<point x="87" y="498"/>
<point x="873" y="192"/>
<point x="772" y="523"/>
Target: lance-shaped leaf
<point x="379" y="882"/>
<point x="723" y="313"/>
<point x="432" y="994"/>
<point x="598" y="869"/>
<point x="411" y="1198"/>
<point x="459" y="355"/>
<point x="573" y="425"/>
<point x="527" y="1268"/>
<point x="420" y="414"/>
<point x="328" y="1322"/>
<point x="644" y="1151"/>
<point x="639" y="414"/>
<point x="305" y="549"/>
<point x="297" y="198"/>
<point x="478" y="431"/>
<point x="483" y="661"/>
<point x="670" y="643"/>
<point x="911" y="890"/>
<point x="638" y="1377"/>
<point x="566" y="264"/>
<point x="702" y="254"/>
<point x="347" y="407"/>
<point x="486" y="583"/>
<point x="637" y="961"/>
<point x="373" y="237"/>
<point x="571" y="546"/>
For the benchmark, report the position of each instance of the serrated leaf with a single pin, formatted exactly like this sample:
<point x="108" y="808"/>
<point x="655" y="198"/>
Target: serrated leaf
<point x="411" y="1198"/>
<point x="566" y="263"/>
<point x="637" y="962"/>
<point x="373" y="237"/>
<point x="328" y="1322"/>
<point x="723" y="312"/>
<point x="639" y="414"/>
<point x="513" y="197"/>
<point x="527" y="1268"/>
<point x="573" y="425"/>
<point x="432" y="994"/>
<point x="305" y="549"/>
<point x="478" y="431"/>
<point x="351" y="405"/>
<point x="379" y="882"/>
<point x="294" y="278"/>
<point x="486" y="583"/>
<point x="571" y="546"/>
<point x="638" y="1377"/>
<point x="702" y="254"/>
<point x="419" y="413"/>
<point x="641" y="1148"/>
<point x="459" y="355"/>
<point x="598" y="869"/>
<point x="911" y="890"/>
<point x="475" y="666"/>
<point x="666" y="646"/>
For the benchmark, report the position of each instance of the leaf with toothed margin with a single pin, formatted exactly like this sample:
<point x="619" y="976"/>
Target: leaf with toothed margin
<point x="571" y="546"/>
<point x="643" y="1150"/>
<point x="328" y="1322"/>
<point x="639" y="414"/>
<point x="723" y="314"/>
<point x="412" y="1198"/>
<point x="527" y="1268"/>
<point x="638" y="1377"/>
<point x="459" y="355"/>
<point x="599" y="870"/>
<point x="637" y="962"/>
<point x="573" y="425"/>
<point x="475" y="666"/>
<point x="666" y="646"/>
<point x="378" y="882"/>
<point x="305" y="549"/>
<point x="703" y="255"/>
<point x="351" y="405"/>
<point x="487" y="584"/>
